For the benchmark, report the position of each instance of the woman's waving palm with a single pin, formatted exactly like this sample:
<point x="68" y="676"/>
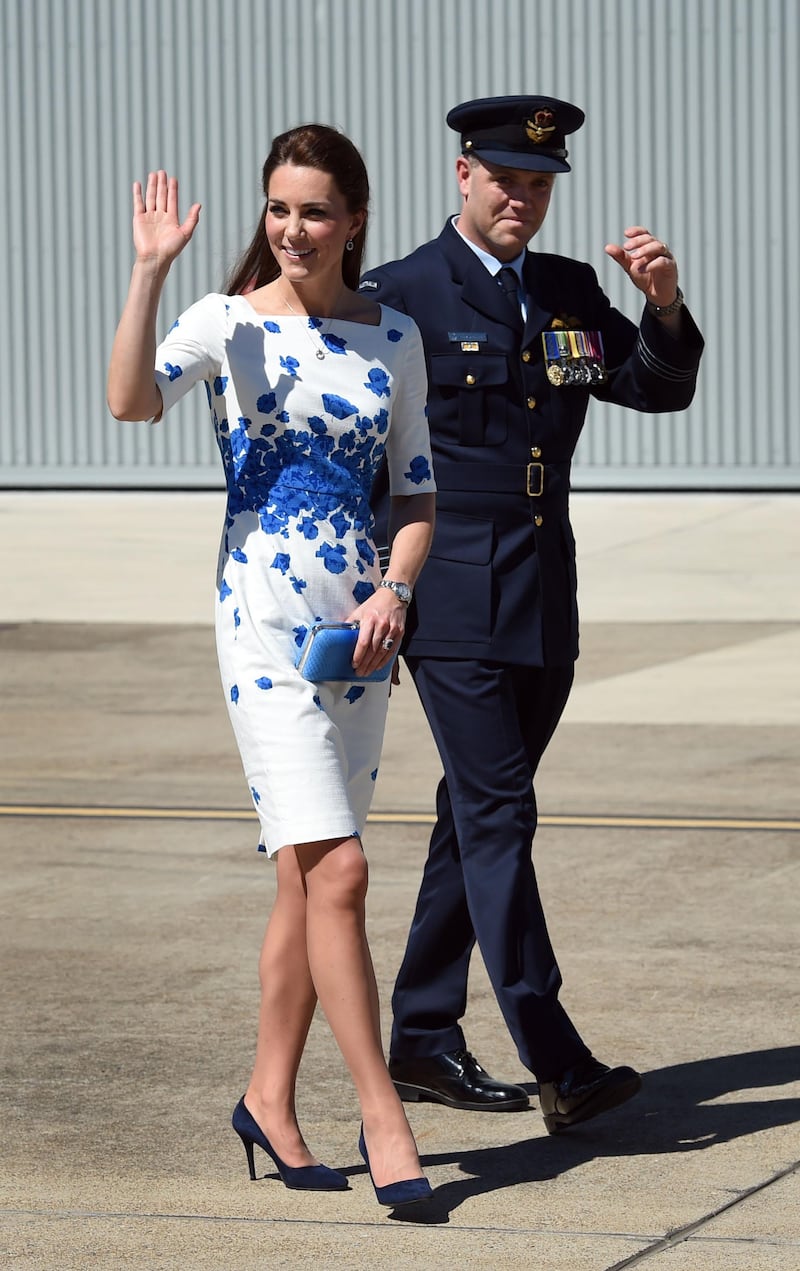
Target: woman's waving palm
<point x="158" y="234"/>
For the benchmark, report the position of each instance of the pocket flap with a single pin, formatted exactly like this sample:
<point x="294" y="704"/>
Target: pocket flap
<point x="455" y="370"/>
<point x="462" y="538"/>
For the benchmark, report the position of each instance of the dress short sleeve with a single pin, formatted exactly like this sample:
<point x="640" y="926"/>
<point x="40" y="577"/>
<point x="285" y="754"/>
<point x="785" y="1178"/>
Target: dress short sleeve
<point x="408" y="447"/>
<point x="193" y="349"/>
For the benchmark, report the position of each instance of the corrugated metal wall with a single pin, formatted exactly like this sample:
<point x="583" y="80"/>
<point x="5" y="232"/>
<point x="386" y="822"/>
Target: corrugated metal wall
<point x="692" y="129"/>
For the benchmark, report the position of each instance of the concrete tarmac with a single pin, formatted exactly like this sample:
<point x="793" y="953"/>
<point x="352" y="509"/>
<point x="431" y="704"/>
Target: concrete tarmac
<point x="133" y="904"/>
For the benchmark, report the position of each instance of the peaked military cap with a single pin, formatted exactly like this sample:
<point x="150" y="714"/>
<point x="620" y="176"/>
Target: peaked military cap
<point x="517" y="132"/>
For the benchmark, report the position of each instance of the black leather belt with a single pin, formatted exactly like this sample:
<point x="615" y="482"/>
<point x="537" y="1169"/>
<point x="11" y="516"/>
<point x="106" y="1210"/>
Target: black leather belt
<point x="532" y="479"/>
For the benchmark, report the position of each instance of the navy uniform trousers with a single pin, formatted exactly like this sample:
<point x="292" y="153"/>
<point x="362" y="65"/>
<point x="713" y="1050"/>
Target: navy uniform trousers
<point x="492" y="632"/>
<point x="479" y="881"/>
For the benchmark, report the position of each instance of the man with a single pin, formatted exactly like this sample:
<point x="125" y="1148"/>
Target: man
<point x="516" y="345"/>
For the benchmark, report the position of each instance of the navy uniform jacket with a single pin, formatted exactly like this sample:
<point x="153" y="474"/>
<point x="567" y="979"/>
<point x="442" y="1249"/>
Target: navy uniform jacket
<point x="500" y="581"/>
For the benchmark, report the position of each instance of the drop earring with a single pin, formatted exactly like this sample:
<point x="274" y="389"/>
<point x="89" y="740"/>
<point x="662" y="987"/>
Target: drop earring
<point x="349" y="245"/>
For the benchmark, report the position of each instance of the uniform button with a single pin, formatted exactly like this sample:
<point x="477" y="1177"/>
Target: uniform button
<point x="537" y="520"/>
<point x="470" y="380"/>
<point x="536" y="451"/>
<point x="526" y="357"/>
<point x="531" y="403"/>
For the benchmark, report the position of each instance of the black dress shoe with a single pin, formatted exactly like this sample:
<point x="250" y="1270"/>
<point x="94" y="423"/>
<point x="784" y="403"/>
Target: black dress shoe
<point x="456" y="1079"/>
<point x="583" y="1091"/>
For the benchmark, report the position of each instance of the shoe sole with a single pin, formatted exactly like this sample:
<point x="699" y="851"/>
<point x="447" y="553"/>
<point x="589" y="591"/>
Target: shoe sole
<point x="603" y="1101"/>
<point x="421" y="1094"/>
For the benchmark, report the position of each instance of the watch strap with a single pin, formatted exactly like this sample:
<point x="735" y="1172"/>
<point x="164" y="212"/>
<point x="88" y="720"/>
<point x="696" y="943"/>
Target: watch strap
<point x="665" y="311"/>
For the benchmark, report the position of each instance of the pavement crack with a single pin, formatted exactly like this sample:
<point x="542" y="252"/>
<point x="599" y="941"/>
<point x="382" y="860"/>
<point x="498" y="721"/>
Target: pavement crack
<point x="679" y="1234"/>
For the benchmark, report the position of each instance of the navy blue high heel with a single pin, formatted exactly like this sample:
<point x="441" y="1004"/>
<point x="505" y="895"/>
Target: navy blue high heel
<point x="311" y="1178"/>
<point x="394" y="1194"/>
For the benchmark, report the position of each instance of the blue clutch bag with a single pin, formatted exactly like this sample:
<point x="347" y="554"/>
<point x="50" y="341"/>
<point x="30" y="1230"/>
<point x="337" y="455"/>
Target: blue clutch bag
<point x="327" y="654"/>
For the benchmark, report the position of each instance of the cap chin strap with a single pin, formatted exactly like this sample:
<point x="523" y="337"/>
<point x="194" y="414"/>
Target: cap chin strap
<point x="547" y="152"/>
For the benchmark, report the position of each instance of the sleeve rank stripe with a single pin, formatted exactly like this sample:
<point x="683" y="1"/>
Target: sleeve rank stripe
<point x="664" y="369"/>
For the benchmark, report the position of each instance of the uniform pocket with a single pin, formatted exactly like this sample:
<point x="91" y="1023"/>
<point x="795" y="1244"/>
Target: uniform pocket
<point x="453" y="594"/>
<point x="475" y="386"/>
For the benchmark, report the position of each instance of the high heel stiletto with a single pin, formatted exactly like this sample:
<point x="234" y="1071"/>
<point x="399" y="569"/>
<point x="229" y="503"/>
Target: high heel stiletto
<point x="394" y="1194"/>
<point x="312" y="1178"/>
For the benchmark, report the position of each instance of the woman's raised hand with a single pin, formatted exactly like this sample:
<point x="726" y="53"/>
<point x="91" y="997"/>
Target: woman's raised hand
<point x="158" y="235"/>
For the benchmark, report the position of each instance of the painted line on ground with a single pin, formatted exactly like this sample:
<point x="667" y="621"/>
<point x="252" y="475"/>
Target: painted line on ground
<point x="403" y="818"/>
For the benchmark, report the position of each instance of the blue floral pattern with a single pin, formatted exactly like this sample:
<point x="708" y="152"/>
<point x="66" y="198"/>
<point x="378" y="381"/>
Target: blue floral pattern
<point x="300" y="438"/>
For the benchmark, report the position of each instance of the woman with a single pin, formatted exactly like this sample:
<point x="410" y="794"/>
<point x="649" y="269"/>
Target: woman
<point x="309" y="384"/>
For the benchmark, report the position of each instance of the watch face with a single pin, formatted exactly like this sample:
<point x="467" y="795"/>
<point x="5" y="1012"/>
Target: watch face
<point x="401" y="590"/>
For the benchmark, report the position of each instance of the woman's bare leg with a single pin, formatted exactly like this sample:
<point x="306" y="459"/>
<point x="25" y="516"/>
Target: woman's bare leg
<point x="335" y="874"/>
<point x="287" y="1006"/>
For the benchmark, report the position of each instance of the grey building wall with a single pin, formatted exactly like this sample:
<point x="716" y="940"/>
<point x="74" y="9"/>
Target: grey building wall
<point x="692" y="129"/>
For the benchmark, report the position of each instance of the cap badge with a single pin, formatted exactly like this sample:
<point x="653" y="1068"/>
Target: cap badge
<point x="540" y="128"/>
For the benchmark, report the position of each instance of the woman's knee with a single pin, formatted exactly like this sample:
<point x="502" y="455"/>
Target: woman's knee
<point x="340" y="876"/>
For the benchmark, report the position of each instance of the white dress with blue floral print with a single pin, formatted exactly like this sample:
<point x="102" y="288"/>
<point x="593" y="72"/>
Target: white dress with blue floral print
<point x="300" y="440"/>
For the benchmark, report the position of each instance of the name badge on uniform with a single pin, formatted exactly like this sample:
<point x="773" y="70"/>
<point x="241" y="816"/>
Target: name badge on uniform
<point x="574" y="357"/>
<point x="470" y="341"/>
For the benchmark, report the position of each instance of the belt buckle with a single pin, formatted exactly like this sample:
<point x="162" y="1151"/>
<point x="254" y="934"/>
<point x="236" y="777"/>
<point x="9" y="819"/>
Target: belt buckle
<point x="531" y="492"/>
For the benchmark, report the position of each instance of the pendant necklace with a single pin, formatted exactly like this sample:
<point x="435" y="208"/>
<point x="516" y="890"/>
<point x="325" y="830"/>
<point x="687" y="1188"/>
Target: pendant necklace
<point x="320" y="349"/>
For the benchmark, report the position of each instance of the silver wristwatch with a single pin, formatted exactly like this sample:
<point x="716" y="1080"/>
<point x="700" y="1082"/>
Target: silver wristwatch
<point x="401" y="590"/>
<point x="666" y="311"/>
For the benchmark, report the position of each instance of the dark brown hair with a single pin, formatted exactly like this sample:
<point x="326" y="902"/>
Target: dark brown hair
<point x="307" y="146"/>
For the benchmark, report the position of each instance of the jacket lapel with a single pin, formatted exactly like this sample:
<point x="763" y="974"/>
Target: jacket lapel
<point x="479" y="290"/>
<point x="538" y="318"/>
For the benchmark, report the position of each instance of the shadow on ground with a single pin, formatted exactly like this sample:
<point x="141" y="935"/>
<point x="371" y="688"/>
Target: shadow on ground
<point x="676" y="1114"/>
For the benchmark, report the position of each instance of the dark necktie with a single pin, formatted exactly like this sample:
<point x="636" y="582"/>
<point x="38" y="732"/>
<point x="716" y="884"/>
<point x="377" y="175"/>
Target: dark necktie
<point x="509" y="282"/>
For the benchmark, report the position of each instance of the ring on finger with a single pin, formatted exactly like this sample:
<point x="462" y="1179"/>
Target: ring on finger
<point x="387" y="643"/>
